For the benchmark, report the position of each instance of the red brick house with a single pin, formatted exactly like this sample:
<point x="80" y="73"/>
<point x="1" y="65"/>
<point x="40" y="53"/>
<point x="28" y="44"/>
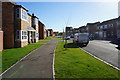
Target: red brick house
<point x="50" y="32"/>
<point x="107" y="29"/>
<point x="19" y="27"/>
<point x="42" y="31"/>
<point x="35" y="25"/>
<point x="8" y="24"/>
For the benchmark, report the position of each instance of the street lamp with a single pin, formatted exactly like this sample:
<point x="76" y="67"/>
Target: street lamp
<point x="66" y="40"/>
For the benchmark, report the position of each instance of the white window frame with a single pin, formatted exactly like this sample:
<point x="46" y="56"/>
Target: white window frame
<point x="28" y="19"/>
<point x="23" y="35"/>
<point x="36" y="35"/>
<point x="36" y="21"/>
<point x="22" y="11"/>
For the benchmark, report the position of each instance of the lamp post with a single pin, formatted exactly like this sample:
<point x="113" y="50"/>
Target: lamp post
<point x="66" y="40"/>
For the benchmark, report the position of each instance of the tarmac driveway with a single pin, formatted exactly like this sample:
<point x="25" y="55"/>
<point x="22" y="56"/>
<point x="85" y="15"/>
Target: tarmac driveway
<point x="104" y="50"/>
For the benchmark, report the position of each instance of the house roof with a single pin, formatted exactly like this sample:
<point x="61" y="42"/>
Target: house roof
<point x="93" y="23"/>
<point x="29" y="28"/>
<point x="20" y="6"/>
<point x="29" y="14"/>
<point x="109" y="21"/>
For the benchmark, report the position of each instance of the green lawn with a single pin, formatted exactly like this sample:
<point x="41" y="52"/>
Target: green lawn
<point x="75" y="63"/>
<point x="48" y="38"/>
<point x="42" y="42"/>
<point x="57" y="38"/>
<point x="11" y="56"/>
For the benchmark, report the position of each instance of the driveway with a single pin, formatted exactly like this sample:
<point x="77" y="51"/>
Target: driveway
<point x="37" y="65"/>
<point x="104" y="50"/>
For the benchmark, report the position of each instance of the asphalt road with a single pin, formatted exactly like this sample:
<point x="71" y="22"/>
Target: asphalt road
<point x="105" y="51"/>
<point x="39" y="64"/>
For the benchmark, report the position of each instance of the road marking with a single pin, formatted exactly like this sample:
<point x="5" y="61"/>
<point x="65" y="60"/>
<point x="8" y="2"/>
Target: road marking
<point x="12" y="74"/>
<point x="100" y="59"/>
<point x="21" y="66"/>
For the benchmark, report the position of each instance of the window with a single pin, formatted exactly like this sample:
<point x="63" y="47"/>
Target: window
<point x="101" y="27"/>
<point x="104" y="34"/>
<point x="17" y="13"/>
<point x="112" y="33"/>
<point x="98" y="27"/>
<point x="112" y="25"/>
<point x="36" y="21"/>
<point x="37" y="35"/>
<point x="17" y="35"/>
<point x="118" y="23"/>
<point x="105" y="26"/>
<point x="87" y="28"/>
<point x="28" y="19"/>
<point x="100" y="34"/>
<point x="24" y="35"/>
<point x="24" y="14"/>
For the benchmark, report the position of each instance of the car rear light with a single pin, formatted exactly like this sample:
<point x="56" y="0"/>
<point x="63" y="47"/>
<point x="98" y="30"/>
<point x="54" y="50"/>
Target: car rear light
<point x="77" y="37"/>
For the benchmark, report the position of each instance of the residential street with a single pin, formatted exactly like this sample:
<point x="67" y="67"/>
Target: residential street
<point x="39" y="64"/>
<point x="104" y="50"/>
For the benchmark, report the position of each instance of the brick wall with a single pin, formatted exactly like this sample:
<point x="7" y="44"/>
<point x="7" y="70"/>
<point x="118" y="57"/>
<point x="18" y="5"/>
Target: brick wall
<point x="1" y="41"/>
<point x="8" y="24"/>
<point x="21" y="25"/>
<point x="42" y="31"/>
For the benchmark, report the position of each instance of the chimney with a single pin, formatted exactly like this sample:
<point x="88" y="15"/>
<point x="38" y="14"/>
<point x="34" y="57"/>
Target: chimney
<point x="32" y="14"/>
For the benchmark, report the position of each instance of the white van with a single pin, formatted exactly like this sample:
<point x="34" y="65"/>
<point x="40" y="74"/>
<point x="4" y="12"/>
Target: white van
<point x="81" y="38"/>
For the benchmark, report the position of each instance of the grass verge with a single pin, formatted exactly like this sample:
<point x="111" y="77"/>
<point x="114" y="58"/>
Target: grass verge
<point x="75" y="63"/>
<point x="48" y="38"/>
<point x="11" y="56"/>
<point x="42" y="42"/>
<point x="57" y="38"/>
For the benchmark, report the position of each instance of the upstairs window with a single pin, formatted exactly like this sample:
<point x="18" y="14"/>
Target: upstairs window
<point x="36" y="21"/>
<point x="33" y="21"/>
<point x="24" y="14"/>
<point x="118" y="23"/>
<point x="105" y="26"/>
<point x="101" y="27"/>
<point x="28" y="19"/>
<point x="17" y="13"/>
<point x="112" y="25"/>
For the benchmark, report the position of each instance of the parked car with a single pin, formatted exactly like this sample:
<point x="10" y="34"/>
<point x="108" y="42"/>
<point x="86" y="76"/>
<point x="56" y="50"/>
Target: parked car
<point x="72" y="35"/>
<point x="81" y="38"/>
<point x="67" y="37"/>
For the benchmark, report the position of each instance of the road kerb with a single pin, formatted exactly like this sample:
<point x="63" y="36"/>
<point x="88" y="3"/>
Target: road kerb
<point x="54" y="63"/>
<point x="101" y="59"/>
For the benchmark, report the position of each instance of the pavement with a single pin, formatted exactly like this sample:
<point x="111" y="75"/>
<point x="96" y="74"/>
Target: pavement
<point x="105" y="50"/>
<point x="38" y="65"/>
